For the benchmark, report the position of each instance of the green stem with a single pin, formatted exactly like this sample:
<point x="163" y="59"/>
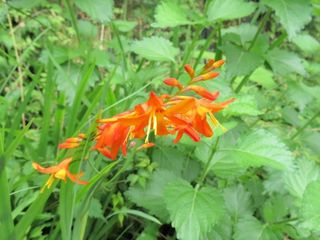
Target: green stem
<point x="246" y="78"/>
<point x="305" y="125"/>
<point x="208" y="164"/>
<point x="219" y="44"/>
<point x="73" y="19"/>
<point x="243" y="81"/>
<point x="206" y="46"/>
<point x="6" y="221"/>
<point x="279" y="41"/>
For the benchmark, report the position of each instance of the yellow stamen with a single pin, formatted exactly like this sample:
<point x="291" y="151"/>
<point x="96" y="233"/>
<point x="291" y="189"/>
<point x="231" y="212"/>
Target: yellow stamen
<point x="48" y="183"/>
<point x="149" y="128"/>
<point x="155" y="124"/>
<point x="216" y="123"/>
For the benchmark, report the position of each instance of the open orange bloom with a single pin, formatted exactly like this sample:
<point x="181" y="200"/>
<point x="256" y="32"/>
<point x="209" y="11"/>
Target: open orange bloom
<point x="60" y="171"/>
<point x="163" y="115"/>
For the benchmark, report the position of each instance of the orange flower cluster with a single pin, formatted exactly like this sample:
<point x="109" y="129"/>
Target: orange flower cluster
<point x="178" y="114"/>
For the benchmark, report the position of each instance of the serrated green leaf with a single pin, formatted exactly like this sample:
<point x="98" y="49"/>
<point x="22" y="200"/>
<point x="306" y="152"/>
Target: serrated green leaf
<point x="124" y="26"/>
<point x="244" y="105"/>
<point x="95" y="209"/>
<point x="310" y="207"/>
<point x="293" y="14"/>
<point x="276" y="208"/>
<point x="100" y="10"/>
<point x="284" y="62"/>
<point x="258" y="148"/>
<point x="245" y="33"/>
<point x="155" y="49"/>
<point x="251" y="228"/>
<point x="170" y="14"/>
<point x="202" y="208"/>
<point x="229" y="9"/>
<point x="296" y="181"/>
<point x="239" y="61"/>
<point x="263" y="77"/>
<point x="151" y="197"/>
<point x="307" y="43"/>
<point x="237" y="201"/>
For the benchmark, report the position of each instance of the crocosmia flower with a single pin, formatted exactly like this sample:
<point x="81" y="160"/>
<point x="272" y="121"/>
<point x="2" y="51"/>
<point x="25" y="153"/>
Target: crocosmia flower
<point x="60" y="171"/>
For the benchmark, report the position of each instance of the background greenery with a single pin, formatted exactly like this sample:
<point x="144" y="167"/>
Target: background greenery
<point x="65" y="63"/>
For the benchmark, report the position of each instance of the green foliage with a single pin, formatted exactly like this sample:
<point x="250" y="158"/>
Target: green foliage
<point x="155" y="49"/>
<point x="202" y="208"/>
<point x="229" y="9"/>
<point x="99" y="10"/>
<point x="64" y="64"/>
<point x="293" y="14"/>
<point x="170" y="14"/>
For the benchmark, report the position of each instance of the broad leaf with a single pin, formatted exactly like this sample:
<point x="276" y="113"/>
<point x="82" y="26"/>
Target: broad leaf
<point x="67" y="79"/>
<point x="245" y="105"/>
<point x="151" y="197"/>
<point x="307" y="43"/>
<point x="240" y="62"/>
<point x="100" y="10"/>
<point x="170" y="14"/>
<point x="297" y="181"/>
<point x="244" y="32"/>
<point x="237" y="201"/>
<point x="284" y="62"/>
<point x="263" y="77"/>
<point x="193" y="211"/>
<point x="229" y="9"/>
<point x="252" y="228"/>
<point x="155" y="48"/>
<point x="258" y="148"/>
<point x="310" y="208"/>
<point x="293" y="14"/>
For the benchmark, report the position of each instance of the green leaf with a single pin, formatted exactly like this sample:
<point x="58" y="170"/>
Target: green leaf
<point x="155" y="49"/>
<point x="240" y="62"/>
<point x="193" y="211"/>
<point x="124" y="26"/>
<point x="310" y="207"/>
<point x="263" y="77"/>
<point x="307" y="43"/>
<point x="293" y="14"/>
<point x="258" y="148"/>
<point x="170" y="14"/>
<point x="149" y="233"/>
<point x="151" y="197"/>
<point x="252" y="228"/>
<point x="95" y="209"/>
<point x="237" y="201"/>
<point x="229" y="9"/>
<point x="284" y="62"/>
<point x="68" y="78"/>
<point x="100" y="10"/>
<point x="244" y="105"/>
<point x="296" y="181"/>
<point x="240" y="34"/>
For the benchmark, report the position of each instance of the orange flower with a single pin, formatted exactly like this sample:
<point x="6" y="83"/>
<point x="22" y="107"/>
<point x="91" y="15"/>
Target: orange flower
<point x="205" y="76"/>
<point x="72" y="142"/>
<point x="173" y="82"/>
<point x="203" y="92"/>
<point x="60" y="171"/>
<point x="189" y="70"/>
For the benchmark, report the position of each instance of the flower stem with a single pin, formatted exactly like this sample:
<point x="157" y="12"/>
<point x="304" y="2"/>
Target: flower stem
<point x="207" y="166"/>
